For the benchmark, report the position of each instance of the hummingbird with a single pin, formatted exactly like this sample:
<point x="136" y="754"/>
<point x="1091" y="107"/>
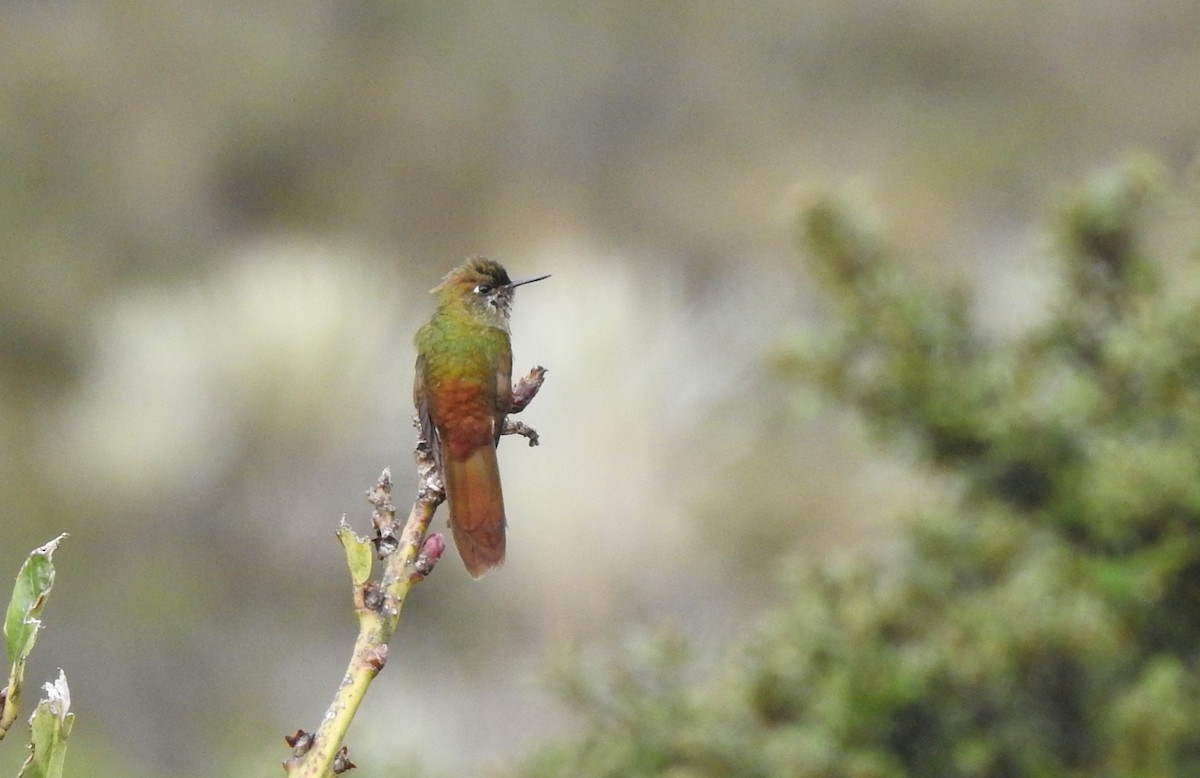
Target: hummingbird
<point x="463" y="393"/>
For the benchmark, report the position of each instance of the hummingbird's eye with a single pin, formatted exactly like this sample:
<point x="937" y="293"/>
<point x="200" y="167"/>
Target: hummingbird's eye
<point x="483" y="289"/>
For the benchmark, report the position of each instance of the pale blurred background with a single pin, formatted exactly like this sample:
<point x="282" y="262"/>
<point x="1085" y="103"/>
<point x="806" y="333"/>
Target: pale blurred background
<point x="219" y="224"/>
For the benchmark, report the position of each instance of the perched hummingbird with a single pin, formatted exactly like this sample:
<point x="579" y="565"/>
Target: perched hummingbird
<point x="463" y="393"/>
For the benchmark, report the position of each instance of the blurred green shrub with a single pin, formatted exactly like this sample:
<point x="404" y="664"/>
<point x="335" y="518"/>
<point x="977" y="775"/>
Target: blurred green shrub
<point x="1047" y="621"/>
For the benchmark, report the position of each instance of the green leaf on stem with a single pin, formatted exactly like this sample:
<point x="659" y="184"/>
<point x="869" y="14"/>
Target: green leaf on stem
<point x="49" y="727"/>
<point x="358" y="554"/>
<point x="22" y="622"/>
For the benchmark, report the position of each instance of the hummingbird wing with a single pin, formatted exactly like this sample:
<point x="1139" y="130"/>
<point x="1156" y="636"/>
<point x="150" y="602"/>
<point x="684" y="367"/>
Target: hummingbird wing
<point x="429" y="431"/>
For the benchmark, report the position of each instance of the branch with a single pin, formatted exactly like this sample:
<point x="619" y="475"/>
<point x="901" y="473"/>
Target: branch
<point x="526" y="389"/>
<point x="523" y="394"/>
<point x="517" y="428"/>
<point x="408" y="558"/>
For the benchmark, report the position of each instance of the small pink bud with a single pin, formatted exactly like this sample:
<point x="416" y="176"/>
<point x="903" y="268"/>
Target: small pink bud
<point x="431" y="551"/>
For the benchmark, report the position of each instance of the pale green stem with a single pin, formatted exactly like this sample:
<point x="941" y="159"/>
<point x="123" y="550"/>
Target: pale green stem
<point x="375" y="628"/>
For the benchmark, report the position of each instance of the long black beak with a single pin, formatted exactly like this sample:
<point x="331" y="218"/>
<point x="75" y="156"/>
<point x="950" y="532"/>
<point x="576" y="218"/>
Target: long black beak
<point x="524" y="281"/>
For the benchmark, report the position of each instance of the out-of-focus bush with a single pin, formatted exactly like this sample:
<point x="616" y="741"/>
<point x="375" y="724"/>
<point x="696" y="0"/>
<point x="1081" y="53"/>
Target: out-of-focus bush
<point x="1042" y="621"/>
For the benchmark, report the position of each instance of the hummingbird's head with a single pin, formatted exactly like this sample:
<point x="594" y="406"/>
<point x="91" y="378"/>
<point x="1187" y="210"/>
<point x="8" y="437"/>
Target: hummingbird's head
<point x="483" y="287"/>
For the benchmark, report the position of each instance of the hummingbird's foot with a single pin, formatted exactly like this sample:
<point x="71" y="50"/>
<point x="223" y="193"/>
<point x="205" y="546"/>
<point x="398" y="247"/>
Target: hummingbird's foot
<point x="517" y="428"/>
<point x="526" y="389"/>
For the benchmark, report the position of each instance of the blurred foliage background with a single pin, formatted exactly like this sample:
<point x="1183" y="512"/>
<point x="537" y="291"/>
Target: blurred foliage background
<point x="219" y="224"/>
<point x="1041" y="618"/>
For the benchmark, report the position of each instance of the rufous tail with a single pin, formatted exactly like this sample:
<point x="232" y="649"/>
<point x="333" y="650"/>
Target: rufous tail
<point x="476" y="508"/>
